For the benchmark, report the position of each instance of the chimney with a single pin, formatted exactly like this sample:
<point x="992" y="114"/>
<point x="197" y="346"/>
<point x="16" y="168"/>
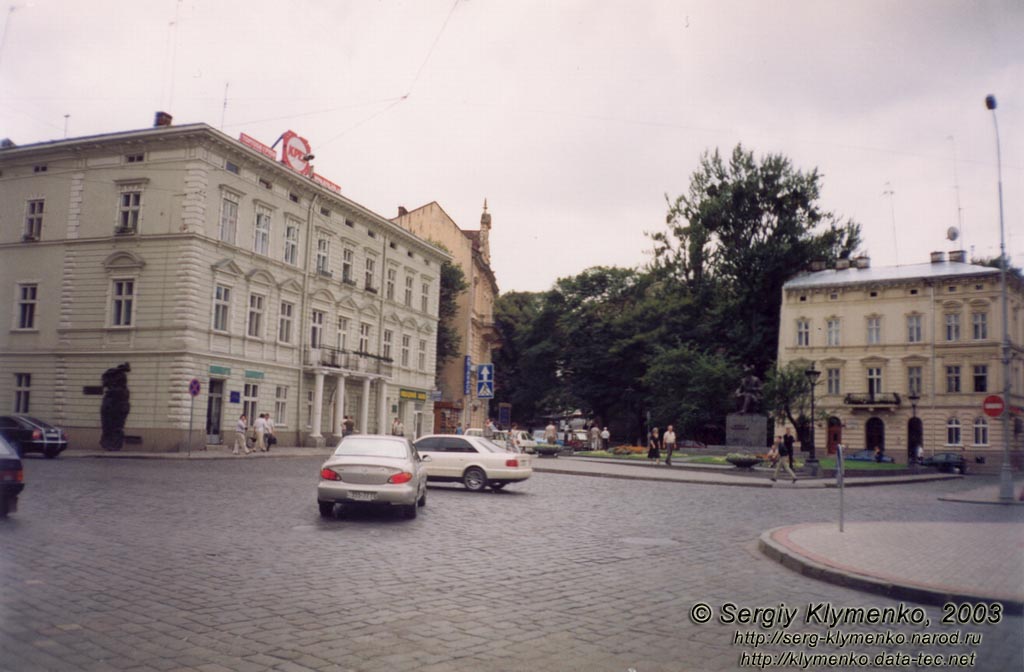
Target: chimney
<point x="817" y="265"/>
<point x="842" y="264"/>
<point x="402" y="212"/>
<point x="162" y="119"/>
<point x="958" y="256"/>
<point x="863" y="261"/>
<point x="938" y="257"/>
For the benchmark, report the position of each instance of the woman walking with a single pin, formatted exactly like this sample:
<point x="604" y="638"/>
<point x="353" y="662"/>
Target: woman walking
<point x="653" y="446"/>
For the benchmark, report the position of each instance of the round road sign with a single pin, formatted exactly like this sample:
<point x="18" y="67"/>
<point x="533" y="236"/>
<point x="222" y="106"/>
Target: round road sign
<point x="993" y="406"/>
<point x="193" y="387"/>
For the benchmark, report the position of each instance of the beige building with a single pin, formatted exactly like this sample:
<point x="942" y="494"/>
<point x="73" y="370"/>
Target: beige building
<point x="192" y="255"/>
<point x="881" y="336"/>
<point x="471" y="251"/>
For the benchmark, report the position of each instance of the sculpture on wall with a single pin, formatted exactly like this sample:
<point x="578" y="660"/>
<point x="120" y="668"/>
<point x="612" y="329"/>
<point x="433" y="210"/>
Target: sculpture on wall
<point x="748" y="394"/>
<point x="115" y="407"/>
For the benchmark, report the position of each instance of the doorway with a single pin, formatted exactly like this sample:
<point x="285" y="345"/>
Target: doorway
<point x="214" y="409"/>
<point x="874" y="434"/>
<point x="835" y="434"/>
<point x="915" y="438"/>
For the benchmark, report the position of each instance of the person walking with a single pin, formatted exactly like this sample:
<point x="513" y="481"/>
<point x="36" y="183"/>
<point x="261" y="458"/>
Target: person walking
<point x="653" y="446"/>
<point x="595" y="438"/>
<point x="260" y="428"/>
<point x="397" y="428"/>
<point x="779" y="452"/>
<point x="606" y="437"/>
<point x="669" y="441"/>
<point x="551" y="434"/>
<point x="240" y="428"/>
<point x="271" y="431"/>
<point x="458" y="429"/>
<point x="489" y="429"/>
<point x="788" y="442"/>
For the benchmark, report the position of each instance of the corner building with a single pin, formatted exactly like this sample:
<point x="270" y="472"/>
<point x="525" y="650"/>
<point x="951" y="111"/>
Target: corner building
<point x="907" y="354"/>
<point x="191" y="255"/>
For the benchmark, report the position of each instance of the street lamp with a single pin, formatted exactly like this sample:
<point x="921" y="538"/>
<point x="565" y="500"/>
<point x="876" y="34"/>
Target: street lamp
<point x="1005" y="474"/>
<point x="914" y="397"/>
<point x="912" y="433"/>
<point x="812" y="377"/>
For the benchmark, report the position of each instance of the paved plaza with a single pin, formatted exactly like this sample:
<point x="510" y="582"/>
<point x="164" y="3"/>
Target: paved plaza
<point x="212" y="565"/>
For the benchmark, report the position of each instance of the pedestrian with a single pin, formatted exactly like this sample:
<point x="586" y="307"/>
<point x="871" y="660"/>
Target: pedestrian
<point x="259" y="427"/>
<point x="458" y="430"/>
<point x="397" y="428"/>
<point x="918" y="454"/>
<point x="669" y="441"/>
<point x="595" y="438"/>
<point x="489" y="429"/>
<point x="551" y="434"/>
<point x="240" y="428"/>
<point x="349" y="426"/>
<point x="271" y="431"/>
<point x="778" y="453"/>
<point x="605" y="439"/>
<point x="653" y="446"/>
<point x="789" y="442"/>
<point x="878" y="454"/>
<point x="512" y="439"/>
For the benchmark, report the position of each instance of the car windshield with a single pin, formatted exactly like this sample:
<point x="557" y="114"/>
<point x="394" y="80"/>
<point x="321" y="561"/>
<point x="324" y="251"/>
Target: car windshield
<point x="352" y="446"/>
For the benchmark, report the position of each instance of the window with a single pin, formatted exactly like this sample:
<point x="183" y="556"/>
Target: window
<point x="250" y="401"/>
<point x="261" y="235"/>
<point x="281" y="405"/>
<point x="914" y="329"/>
<point x="803" y="332"/>
<point x="291" y="244"/>
<point x="874" y="381"/>
<point x="221" y="308"/>
<point x="22" y="392"/>
<point x="27" y="297"/>
<point x="388" y="337"/>
<point x="255" y="328"/>
<point x="874" y="330"/>
<point x="914" y="380"/>
<point x="34" y="219"/>
<point x="39" y="168"/>
<point x="980" y="431"/>
<point x="425" y="297"/>
<point x="406" y="344"/>
<point x="409" y="280"/>
<point x="832" y="376"/>
<point x="134" y="158"/>
<point x="309" y="408"/>
<point x="284" y="322"/>
<point x="347" y="256"/>
<point x="294" y="198"/>
<point x="979" y="323"/>
<point x="952" y="379"/>
<point x="952" y="432"/>
<point x="231" y="167"/>
<point x="129" y="209"/>
<point x="342" y="341"/>
<point x="364" y="337"/>
<point x="981" y="378"/>
<point x="833" y="332"/>
<point x="389" y="290"/>
<point x="228" y="218"/>
<point x="323" y="254"/>
<point x="265" y="183"/>
<point x="370" y="264"/>
<point x="952" y="326"/>
<point x="316" y="329"/>
<point x="123" y="300"/>
<point x="422" y="355"/>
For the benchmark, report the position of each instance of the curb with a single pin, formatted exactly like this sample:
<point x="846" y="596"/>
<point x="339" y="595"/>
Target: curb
<point x="791" y="559"/>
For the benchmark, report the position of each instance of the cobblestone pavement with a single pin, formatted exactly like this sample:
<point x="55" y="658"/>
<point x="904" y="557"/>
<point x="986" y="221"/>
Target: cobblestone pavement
<point x="226" y="565"/>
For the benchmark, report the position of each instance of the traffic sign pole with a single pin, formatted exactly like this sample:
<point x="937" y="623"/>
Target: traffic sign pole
<point x="193" y="390"/>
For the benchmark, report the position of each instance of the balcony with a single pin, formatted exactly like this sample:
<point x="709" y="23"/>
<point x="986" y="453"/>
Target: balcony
<point x="348" y="362"/>
<point x="125" y="231"/>
<point x="370" y="288"/>
<point x="324" y="273"/>
<point x="871" y="400"/>
<point x="347" y="279"/>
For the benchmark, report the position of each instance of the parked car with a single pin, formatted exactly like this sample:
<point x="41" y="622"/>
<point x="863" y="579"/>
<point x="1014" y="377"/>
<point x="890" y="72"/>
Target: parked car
<point x="372" y="469"/>
<point x="31" y="435"/>
<point x="864" y="456"/>
<point x="474" y="461"/>
<point x="12" y="478"/>
<point x="946" y="462"/>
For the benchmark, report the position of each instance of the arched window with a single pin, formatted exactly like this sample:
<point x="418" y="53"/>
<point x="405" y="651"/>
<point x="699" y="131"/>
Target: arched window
<point x="980" y="431"/>
<point x="953" y="432"/>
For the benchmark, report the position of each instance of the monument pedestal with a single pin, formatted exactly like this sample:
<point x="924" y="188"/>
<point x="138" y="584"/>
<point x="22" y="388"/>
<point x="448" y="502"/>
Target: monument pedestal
<point x="747" y="430"/>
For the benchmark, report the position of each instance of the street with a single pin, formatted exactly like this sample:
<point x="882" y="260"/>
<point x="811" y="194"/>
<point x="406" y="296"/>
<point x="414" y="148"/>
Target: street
<point x="118" y="564"/>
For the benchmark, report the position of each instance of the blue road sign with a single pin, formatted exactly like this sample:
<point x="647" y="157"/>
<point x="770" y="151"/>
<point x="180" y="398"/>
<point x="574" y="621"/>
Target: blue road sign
<point x="467" y="375"/>
<point x="485" y="381"/>
<point x="193" y="387"/>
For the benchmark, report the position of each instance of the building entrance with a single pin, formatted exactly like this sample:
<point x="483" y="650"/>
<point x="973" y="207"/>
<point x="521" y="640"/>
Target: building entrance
<point x="214" y="410"/>
<point x="874" y="434"/>
<point x="835" y="434"/>
<point x="915" y="438"/>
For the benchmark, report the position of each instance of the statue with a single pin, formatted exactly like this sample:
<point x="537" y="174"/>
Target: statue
<point x="115" y="407"/>
<point x="748" y="394"/>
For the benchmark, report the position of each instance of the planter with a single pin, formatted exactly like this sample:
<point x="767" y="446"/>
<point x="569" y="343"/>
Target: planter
<point x="743" y="461"/>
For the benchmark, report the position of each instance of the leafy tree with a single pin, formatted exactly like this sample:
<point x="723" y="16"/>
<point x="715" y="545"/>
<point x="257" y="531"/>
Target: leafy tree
<point x="787" y="396"/>
<point x="449" y="343"/>
<point x="691" y="390"/>
<point x="526" y="365"/>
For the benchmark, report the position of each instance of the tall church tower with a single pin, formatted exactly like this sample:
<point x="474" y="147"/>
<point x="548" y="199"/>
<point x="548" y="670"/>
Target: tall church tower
<point x="485" y="234"/>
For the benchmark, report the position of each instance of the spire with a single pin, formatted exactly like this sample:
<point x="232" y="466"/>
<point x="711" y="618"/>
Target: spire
<point x="485" y="234"/>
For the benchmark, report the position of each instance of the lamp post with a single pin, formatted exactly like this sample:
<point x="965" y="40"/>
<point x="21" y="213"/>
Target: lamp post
<point x="1005" y="474"/>
<point x="913" y="438"/>
<point x="812" y="377"/>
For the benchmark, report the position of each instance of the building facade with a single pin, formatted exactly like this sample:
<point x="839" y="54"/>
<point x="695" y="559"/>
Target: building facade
<point x="191" y="255"/>
<point x="470" y="250"/>
<point x="907" y="355"/>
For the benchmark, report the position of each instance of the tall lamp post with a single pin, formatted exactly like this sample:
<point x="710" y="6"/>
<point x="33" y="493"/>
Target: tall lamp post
<point x="914" y="439"/>
<point x="812" y="377"/>
<point x="1005" y="474"/>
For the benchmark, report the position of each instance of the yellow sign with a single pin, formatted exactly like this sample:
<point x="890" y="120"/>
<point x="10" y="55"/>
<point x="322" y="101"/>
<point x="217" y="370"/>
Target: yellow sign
<point x="412" y="394"/>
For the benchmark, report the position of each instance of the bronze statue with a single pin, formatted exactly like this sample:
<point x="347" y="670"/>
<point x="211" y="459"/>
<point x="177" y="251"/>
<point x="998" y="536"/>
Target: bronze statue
<point x="115" y="407"/>
<point x="748" y="394"/>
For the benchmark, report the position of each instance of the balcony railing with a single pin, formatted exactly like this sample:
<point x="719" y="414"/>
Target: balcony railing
<point x="343" y="360"/>
<point x="125" y="231"/>
<point x="872" y="399"/>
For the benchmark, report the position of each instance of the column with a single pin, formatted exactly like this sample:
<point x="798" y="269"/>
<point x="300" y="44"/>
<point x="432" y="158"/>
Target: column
<point x="318" y="400"/>
<point x="339" y="404"/>
<point x="383" y="424"/>
<point x="364" y="409"/>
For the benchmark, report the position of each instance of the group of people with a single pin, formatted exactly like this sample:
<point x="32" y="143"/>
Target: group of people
<point x="656" y="441"/>
<point x="264" y="434"/>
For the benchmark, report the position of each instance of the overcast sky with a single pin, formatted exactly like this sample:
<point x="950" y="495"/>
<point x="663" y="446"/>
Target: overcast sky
<point x="573" y="118"/>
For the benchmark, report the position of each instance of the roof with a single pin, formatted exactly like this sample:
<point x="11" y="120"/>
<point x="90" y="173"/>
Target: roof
<point x="856" y="276"/>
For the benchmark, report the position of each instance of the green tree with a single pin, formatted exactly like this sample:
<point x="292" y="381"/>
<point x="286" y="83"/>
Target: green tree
<point x="691" y="390"/>
<point x="786" y="395"/>
<point x="449" y="343"/>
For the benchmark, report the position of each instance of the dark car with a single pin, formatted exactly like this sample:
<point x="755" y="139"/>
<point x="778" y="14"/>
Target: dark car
<point x="30" y="435"/>
<point x="946" y="462"/>
<point x="865" y="456"/>
<point x="12" y="479"/>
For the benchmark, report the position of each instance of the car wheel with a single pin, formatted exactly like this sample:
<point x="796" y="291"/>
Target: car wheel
<point x="474" y="479"/>
<point x="422" y="501"/>
<point x="498" y="485"/>
<point x="51" y="452"/>
<point x="326" y="508"/>
<point x="410" y="511"/>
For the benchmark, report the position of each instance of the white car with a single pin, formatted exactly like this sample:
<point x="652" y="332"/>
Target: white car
<point x="527" y="443"/>
<point x="369" y="469"/>
<point x="474" y="461"/>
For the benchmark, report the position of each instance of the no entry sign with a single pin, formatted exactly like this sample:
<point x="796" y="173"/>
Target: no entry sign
<point x="993" y="406"/>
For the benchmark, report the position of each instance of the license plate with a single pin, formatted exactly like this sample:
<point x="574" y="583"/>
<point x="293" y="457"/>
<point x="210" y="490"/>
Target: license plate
<point x="362" y="496"/>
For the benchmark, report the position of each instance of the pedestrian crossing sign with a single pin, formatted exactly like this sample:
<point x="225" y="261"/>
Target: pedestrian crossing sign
<point x="485" y="381"/>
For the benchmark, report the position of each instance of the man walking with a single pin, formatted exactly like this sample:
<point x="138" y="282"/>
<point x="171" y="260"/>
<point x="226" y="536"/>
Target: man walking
<point x="783" y="452"/>
<point x="787" y="451"/>
<point x="669" y="441"/>
<point x="240" y="428"/>
<point x="260" y="427"/>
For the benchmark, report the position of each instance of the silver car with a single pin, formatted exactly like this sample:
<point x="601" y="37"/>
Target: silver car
<point x="368" y="469"/>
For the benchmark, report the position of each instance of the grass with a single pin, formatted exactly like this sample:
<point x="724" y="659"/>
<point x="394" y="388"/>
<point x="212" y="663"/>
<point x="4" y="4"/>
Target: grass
<point x="824" y="462"/>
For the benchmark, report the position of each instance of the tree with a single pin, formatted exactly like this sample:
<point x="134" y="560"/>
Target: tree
<point x="453" y="283"/>
<point x="787" y="395"/>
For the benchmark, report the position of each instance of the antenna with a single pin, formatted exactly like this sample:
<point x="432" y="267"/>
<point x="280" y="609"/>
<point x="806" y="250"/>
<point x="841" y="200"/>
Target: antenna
<point x="892" y="209"/>
<point x="224" y="109"/>
<point x="956" y="188"/>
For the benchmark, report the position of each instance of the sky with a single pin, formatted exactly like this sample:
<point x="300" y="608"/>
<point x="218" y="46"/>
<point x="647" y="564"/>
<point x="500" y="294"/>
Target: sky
<point x="574" y="119"/>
